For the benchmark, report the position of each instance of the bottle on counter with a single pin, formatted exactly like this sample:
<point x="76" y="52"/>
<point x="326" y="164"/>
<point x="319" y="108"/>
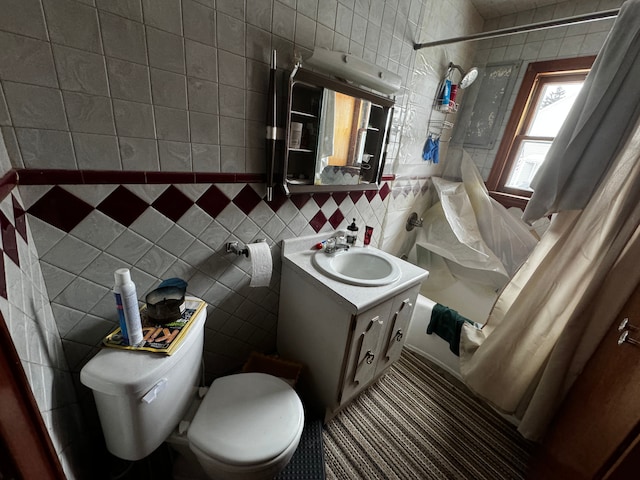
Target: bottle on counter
<point x="352" y="234"/>
<point x="128" y="309"/>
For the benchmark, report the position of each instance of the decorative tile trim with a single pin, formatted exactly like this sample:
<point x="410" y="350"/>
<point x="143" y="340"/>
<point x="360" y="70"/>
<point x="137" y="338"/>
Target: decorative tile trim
<point x="11" y="226"/>
<point x="7" y="183"/>
<point x="30" y="176"/>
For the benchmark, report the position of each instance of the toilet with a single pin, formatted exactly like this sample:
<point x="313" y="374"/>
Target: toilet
<point x="244" y="426"/>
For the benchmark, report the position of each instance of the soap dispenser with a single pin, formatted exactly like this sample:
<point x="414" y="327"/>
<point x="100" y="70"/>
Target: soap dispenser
<point x="352" y="235"/>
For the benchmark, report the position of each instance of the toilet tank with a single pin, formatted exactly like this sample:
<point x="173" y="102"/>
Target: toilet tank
<point x="141" y="396"/>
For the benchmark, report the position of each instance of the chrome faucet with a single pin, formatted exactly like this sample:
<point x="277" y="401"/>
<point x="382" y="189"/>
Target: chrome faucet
<point x="335" y="244"/>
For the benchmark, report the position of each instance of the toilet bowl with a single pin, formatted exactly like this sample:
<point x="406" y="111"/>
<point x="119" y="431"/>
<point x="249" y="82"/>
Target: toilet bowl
<point x="247" y="425"/>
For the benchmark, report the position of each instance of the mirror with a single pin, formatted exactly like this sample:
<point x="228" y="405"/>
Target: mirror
<point x="336" y="135"/>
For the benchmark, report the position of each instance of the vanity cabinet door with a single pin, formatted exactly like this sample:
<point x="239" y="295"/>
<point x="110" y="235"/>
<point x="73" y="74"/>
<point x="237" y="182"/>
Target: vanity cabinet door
<point x="396" y="334"/>
<point x="364" y="351"/>
<point x="368" y="351"/>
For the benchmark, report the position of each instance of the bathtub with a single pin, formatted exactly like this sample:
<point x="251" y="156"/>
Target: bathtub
<point x="454" y="286"/>
<point x="431" y="346"/>
<point x="469" y="302"/>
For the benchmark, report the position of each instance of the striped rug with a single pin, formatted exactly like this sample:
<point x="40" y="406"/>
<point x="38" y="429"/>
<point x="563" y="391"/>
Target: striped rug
<point x="420" y="423"/>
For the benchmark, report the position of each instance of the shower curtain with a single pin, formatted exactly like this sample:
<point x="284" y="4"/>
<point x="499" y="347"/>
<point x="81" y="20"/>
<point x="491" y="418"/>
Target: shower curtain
<point x="550" y="318"/>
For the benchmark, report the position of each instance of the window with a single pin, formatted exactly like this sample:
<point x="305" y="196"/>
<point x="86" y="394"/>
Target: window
<point x="547" y="93"/>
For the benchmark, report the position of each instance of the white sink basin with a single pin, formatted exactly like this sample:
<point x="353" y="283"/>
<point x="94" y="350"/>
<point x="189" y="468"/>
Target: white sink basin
<point x="358" y="266"/>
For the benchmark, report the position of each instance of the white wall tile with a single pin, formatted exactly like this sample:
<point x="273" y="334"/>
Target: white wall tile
<point x="89" y="113"/>
<point x="80" y="71"/>
<point x="198" y="22"/>
<point x="129" y="81"/>
<point x="133" y="119"/>
<point x="35" y="107"/>
<point x="46" y="149"/>
<point x="164" y="14"/>
<point x="73" y="24"/>
<point x="24" y="17"/>
<point x="28" y="60"/>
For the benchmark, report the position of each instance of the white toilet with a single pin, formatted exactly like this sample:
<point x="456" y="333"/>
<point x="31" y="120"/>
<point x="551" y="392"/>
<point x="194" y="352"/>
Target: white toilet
<point x="246" y="426"/>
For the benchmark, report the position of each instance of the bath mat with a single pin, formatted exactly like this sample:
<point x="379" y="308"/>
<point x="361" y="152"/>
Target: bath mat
<point x="307" y="462"/>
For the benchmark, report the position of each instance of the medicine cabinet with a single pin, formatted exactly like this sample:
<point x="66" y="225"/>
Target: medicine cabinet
<point x="336" y="135"/>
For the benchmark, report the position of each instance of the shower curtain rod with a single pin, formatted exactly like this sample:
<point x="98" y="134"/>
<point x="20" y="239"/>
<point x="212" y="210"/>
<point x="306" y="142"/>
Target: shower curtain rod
<point x="589" y="17"/>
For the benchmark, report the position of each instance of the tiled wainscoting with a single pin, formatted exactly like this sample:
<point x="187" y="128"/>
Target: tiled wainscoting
<point x="84" y="232"/>
<point x="25" y="308"/>
<point x="61" y="244"/>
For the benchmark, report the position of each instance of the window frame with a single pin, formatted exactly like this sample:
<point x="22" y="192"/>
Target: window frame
<point x="536" y="76"/>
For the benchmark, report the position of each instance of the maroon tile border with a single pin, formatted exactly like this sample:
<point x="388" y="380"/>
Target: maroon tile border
<point x="123" y="206"/>
<point x="8" y="183"/>
<point x="115" y="177"/>
<point x="49" y="177"/>
<point x="29" y="176"/>
<point x="178" y="177"/>
<point x="61" y="209"/>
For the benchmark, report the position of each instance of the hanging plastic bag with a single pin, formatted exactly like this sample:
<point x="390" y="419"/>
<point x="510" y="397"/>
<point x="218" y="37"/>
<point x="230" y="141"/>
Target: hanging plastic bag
<point x="470" y="229"/>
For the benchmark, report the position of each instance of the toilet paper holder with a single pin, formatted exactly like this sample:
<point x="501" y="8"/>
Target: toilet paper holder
<point x="234" y="247"/>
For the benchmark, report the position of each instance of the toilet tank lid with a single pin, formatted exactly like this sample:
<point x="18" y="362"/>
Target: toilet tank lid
<point x="123" y="372"/>
<point x="247" y="418"/>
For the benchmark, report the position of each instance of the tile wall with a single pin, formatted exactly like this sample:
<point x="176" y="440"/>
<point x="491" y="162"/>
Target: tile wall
<point x="562" y="42"/>
<point x="417" y="119"/>
<point x="25" y="307"/>
<point x="173" y="87"/>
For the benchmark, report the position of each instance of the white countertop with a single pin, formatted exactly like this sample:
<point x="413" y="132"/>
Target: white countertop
<point x="297" y="254"/>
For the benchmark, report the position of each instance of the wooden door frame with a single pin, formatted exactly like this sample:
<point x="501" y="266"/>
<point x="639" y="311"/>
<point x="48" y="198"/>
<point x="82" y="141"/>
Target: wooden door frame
<point x="27" y="450"/>
<point x="550" y="462"/>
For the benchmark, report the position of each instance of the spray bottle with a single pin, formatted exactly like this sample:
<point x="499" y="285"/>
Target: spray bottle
<point x="127" y="302"/>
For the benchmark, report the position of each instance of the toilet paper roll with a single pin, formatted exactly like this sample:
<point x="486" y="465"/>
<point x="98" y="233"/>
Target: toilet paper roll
<point x="261" y="264"/>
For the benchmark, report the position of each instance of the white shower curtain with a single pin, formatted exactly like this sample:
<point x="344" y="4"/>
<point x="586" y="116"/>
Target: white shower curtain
<point x="551" y="316"/>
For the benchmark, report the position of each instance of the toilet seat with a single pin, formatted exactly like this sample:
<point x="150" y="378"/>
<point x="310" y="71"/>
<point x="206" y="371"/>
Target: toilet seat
<point x="247" y="419"/>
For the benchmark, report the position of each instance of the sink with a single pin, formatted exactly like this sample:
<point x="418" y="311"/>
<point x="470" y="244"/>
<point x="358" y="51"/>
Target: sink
<point x="358" y="266"/>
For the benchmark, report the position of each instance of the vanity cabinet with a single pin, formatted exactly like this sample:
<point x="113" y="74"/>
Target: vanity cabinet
<point x="343" y="350"/>
<point x="378" y="338"/>
<point x="336" y="135"/>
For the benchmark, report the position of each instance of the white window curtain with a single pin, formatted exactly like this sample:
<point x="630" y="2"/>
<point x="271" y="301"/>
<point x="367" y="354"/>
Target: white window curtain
<point x="600" y="121"/>
<point x="551" y="316"/>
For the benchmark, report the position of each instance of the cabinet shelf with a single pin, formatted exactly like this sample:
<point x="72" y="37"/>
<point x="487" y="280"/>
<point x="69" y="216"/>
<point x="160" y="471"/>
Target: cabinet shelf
<point x="303" y="114"/>
<point x="301" y="150"/>
<point x="360" y="124"/>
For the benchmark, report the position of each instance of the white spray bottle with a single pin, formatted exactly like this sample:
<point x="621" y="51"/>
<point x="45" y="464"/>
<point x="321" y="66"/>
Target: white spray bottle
<point x="126" y="290"/>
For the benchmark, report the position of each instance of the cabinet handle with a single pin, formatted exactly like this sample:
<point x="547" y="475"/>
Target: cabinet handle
<point x="399" y="335"/>
<point x="624" y="324"/>
<point x="624" y="337"/>
<point x="406" y="303"/>
<point x="369" y="357"/>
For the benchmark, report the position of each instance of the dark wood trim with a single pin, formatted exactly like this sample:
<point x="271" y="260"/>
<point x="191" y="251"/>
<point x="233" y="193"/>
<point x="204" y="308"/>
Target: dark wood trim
<point x="496" y="179"/>
<point x="508" y="200"/>
<point x="22" y="430"/>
